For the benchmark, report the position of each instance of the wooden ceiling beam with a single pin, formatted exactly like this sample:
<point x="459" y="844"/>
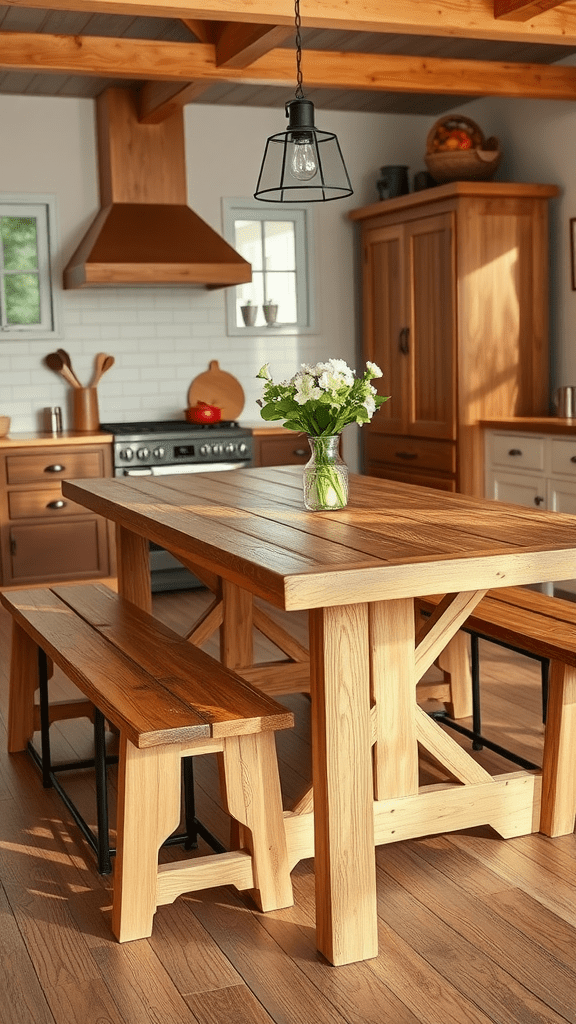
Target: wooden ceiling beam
<point x="471" y="19"/>
<point x="523" y="10"/>
<point x="238" y="46"/>
<point x="195" y="65"/>
<point x="159" y="100"/>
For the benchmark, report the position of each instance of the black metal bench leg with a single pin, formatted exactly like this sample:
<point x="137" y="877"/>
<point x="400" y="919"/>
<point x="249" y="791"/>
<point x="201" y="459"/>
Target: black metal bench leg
<point x="191" y="842"/>
<point x="476" y="712"/>
<point x="103" y="850"/>
<point x="44" y="719"/>
<point x="545" y="670"/>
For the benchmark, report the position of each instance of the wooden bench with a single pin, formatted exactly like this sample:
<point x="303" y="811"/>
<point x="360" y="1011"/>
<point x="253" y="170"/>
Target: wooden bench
<point x="543" y="627"/>
<point x="168" y="700"/>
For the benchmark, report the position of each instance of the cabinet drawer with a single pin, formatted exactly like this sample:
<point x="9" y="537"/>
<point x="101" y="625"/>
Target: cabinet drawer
<point x="41" y="504"/>
<point x="54" y="465"/>
<point x="518" y="451"/>
<point x="284" y="451"/>
<point x="441" y="483"/>
<point x="563" y="457"/>
<point x="411" y="454"/>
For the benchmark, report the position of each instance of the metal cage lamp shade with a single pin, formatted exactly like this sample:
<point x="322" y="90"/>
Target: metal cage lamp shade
<point x="303" y="163"/>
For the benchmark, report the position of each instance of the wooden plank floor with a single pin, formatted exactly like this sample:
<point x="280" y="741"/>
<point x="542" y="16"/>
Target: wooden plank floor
<point x="473" y="929"/>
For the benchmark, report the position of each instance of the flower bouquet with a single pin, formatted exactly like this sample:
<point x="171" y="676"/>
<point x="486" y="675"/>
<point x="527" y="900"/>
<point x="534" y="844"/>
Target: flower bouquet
<point x="321" y="400"/>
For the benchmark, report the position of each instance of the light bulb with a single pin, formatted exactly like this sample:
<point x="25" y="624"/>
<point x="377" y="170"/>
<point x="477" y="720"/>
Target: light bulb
<point x="303" y="165"/>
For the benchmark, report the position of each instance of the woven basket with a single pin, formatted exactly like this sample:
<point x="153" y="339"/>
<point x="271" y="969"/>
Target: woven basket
<point x="478" y="163"/>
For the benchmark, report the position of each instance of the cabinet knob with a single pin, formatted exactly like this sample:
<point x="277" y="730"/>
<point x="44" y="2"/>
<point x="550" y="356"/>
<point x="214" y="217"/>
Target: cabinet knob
<point x="300" y="452"/>
<point x="406" y="455"/>
<point x="56" y="504"/>
<point x="515" y="451"/>
<point x="573" y="459"/>
<point x="56" y="468"/>
<point x="538" y="500"/>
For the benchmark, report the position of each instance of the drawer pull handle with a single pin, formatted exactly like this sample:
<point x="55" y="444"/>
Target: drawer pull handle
<point x="57" y="504"/>
<point x="406" y="455"/>
<point x="538" y="500"/>
<point x="403" y="340"/>
<point x="515" y="451"/>
<point x="56" y="468"/>
<point x="302" y="451"/>
<point x="573" y="459"/>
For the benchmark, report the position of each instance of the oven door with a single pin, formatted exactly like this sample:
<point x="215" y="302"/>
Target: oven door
<point x="166" y="572"/>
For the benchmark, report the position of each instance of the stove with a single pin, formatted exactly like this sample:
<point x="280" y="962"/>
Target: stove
<point x="159" y="447"/>
<point x="164" y="447"/>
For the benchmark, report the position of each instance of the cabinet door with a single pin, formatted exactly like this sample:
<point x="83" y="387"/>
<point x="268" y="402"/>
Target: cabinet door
<point x="562" y="496"/>
<point x="431" y="410"/>
<point x="517" y="489"/>
<point x="386" y="324"/>
<point x="283" y="451"/>
<point x="76" y="549"/>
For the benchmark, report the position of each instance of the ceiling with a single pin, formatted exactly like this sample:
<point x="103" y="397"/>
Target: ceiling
<point x="36" y="23"/>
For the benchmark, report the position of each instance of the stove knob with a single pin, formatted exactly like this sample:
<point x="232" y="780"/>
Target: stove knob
<point x="159" y="453"/>
<point x="242" y="448"/>
<point x="143" y="453"/>
<point x="230" y="449"/>
<point x="126" y="453"/>
<point x="204" y="449"/>
<point x="216" y="449"/>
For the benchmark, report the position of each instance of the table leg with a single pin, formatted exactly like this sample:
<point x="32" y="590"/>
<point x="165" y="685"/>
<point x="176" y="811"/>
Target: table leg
<point x="345" y="863"/>
<point x="236" y="644"/>
<point x="133" y="555"/>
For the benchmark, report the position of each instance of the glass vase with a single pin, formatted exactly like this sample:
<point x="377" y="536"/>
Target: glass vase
<point x="325" y="476"/>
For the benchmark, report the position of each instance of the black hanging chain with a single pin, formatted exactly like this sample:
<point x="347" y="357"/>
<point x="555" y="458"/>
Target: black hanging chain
<point x="299" y="90"/>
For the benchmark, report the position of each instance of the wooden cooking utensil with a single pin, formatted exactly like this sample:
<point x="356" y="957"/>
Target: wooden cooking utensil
<point x="215" y="387"/>
<point x="103" y="363"/>
<point x="56" y="363"/>
<point x="68" y="362"/>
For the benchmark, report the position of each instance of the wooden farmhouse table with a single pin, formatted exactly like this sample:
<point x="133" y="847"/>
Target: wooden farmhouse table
<point x="356" y="571"/>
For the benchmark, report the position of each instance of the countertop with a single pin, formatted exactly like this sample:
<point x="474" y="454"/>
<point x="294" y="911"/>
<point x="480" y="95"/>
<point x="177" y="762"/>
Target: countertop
<point x="534" y="424"/>
<point x="36" y="438"/>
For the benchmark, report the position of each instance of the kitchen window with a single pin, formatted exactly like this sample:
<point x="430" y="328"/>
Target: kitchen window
<point x="278" y="244"/>
<point x="26" y="300"/>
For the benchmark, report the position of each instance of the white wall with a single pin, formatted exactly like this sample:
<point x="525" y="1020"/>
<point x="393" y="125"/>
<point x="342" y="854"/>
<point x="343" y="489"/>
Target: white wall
<point x="163" y="338"/>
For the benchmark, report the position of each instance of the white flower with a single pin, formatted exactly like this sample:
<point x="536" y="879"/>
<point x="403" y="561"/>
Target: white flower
<point x="331" y="382"/>
<point x="374" y="370"/>
<point x="305" y="389"/>
<point x="370" y="405"/>
<point x="264" y="372"/>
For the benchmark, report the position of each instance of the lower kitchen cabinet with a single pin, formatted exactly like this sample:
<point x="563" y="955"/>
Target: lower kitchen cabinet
<point x="534" y="470"/>
<point x="43" y="536"/>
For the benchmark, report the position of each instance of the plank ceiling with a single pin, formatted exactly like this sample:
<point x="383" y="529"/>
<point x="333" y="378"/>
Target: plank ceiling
<point x="15" y="18"/>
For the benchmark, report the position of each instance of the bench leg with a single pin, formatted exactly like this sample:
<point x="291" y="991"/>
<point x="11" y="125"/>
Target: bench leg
<point x="455" y="663"/>
<point x="23" y="685"/>
<point x="148" y="812"/>
<point x="559" y="763"/>
<point x="252" y="796"/>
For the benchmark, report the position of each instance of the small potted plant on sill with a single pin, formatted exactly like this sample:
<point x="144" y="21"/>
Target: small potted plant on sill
<point x="270" y="310"/>
<point x="249" y="313"/>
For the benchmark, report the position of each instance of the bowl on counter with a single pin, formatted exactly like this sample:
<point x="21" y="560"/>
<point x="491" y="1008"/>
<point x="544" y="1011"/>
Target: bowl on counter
<point x="203" y="413"/>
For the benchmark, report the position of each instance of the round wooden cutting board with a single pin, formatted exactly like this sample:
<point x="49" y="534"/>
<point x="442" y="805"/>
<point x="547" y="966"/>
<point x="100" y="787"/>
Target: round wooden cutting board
<point x="215" y="387"/>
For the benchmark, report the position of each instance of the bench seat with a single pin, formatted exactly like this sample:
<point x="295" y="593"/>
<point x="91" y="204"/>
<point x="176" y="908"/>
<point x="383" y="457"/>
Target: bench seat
<point x="168" y="700"/>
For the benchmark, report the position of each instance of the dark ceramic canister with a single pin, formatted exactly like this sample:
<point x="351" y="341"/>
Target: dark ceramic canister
<point x="394" y="182"/>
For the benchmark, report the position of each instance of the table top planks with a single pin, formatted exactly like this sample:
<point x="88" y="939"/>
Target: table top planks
<point x="393" y="540"/>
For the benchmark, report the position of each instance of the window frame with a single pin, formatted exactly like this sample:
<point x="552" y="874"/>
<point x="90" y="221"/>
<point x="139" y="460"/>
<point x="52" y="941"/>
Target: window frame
<point x="43" y="208"/>
<point x="301" y="216"/>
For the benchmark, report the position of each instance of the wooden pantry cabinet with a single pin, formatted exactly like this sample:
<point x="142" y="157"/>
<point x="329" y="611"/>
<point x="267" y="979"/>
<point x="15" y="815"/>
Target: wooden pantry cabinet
<point x="43" y="536"/>
<point x="455" y="313"/>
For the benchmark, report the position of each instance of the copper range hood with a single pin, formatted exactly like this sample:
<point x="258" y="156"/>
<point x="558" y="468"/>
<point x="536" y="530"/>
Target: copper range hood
<point x="145" y="232"/>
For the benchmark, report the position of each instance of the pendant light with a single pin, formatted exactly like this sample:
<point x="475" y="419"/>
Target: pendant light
<point x="303" y="163"/>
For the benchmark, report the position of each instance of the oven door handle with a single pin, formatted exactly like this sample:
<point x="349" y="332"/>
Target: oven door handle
<point x="181" y="468"/>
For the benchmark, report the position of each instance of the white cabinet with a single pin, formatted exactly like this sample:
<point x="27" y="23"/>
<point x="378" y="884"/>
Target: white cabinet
<point x="535" y="470"/>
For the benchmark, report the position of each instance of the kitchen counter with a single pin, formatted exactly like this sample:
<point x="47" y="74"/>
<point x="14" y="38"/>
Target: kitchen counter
<point x="40" y="439"/>
<point x="533" y="424"/>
